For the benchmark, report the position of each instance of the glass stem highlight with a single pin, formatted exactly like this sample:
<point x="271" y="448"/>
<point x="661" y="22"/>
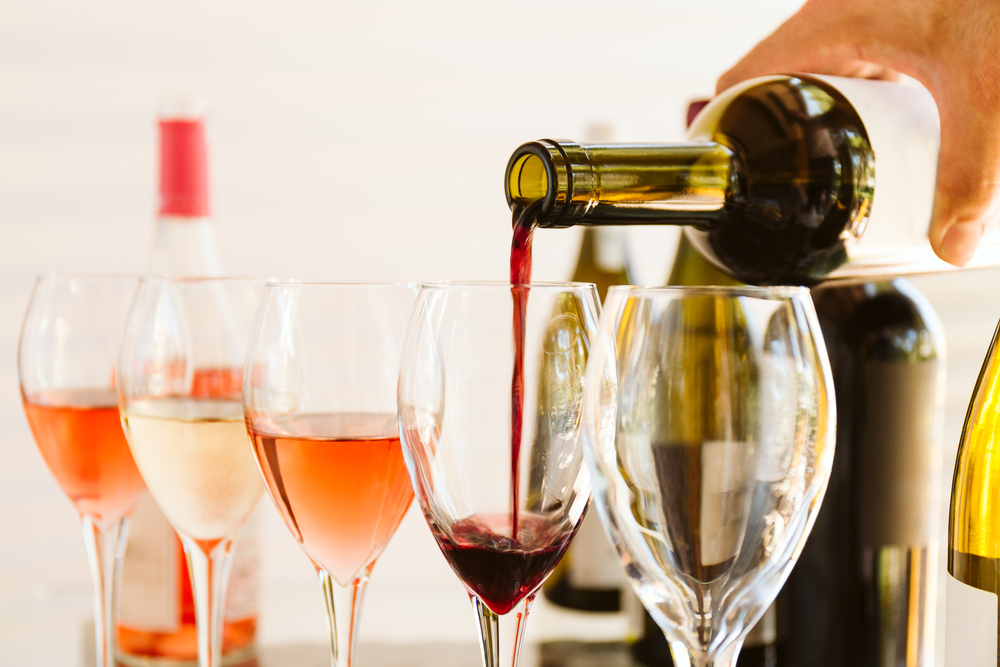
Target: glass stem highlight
<point x="105" y="547"/>
<point x="209" y="564"/>
<point x="347" y="599"/>
<point x="501" y="636"/>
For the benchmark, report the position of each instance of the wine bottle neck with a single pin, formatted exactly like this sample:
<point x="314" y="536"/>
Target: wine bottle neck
<point x="620" y="184"/>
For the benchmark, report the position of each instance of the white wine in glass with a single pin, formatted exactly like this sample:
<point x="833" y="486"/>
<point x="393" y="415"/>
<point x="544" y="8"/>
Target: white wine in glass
<point x="180" y="376"/>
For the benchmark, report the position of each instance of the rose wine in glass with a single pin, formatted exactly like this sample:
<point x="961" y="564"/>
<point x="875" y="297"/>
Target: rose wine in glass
<point x="320" y="405"/>
<point x="66" y="364"/>
<point x="180" y="397"/>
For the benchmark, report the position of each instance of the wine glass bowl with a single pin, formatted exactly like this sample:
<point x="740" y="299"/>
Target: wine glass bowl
<point x="709" y="417"/>
<point x="179" y="393"/>
<point x="492" y="437"/>
<point x="320" y="406"/>
<point x="66" y="367"/>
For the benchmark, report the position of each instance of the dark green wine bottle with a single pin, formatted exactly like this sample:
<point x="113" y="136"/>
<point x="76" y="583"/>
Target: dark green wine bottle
<point x="863" y="590"/>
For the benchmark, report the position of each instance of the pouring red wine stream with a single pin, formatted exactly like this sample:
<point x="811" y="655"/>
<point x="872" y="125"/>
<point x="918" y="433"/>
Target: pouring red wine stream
<point x="520" y="277"/>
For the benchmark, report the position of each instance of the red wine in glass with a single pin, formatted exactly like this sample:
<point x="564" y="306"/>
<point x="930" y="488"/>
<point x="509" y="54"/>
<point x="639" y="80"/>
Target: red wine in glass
<point x="502" y="571"/>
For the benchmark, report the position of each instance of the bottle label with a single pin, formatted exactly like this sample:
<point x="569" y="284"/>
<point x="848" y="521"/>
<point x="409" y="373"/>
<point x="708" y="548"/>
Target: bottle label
<point x="724" y="499"/>
<point x="902" y="453"/>
<point x="594" y="564"/>
<point x="150" y="586"/>
<point x="609" y="249"/>
<point x="244" y="577"/>
<point x="765" y="631"/>
<point x="970" y="626"/>
<point x="902" y="125"/>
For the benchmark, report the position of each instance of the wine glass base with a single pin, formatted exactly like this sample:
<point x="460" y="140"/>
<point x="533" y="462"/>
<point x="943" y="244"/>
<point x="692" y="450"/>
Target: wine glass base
<point x="244" y="657"/>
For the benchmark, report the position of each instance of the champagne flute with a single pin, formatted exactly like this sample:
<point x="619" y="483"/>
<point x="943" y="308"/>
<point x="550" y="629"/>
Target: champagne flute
<point x="709" y="419"/>
<point x="179" y="392"/>
<point x="490" y="393"/>
<point x="320" y="405"/>
<point x="66" y="364"/>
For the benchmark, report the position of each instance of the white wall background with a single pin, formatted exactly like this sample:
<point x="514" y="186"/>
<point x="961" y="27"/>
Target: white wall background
<point x="348" y="141"/>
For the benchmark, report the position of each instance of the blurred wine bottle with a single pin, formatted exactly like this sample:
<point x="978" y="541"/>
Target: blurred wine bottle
<point x="156" y="619"/>
<point x="589" y="577"/>
<point x="864" y="589"/>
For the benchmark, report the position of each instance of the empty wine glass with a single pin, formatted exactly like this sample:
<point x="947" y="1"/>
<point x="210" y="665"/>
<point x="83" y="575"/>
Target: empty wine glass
<point x="709" y="419"/>
<point x="490" y="394"/>
<point x="320" y="405"/>
<point x="180" y="374"/>
<point x="66" y="364"/>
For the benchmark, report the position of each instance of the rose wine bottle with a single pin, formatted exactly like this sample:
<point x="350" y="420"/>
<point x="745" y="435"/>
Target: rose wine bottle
<point x="785" y="180"/>
<point x="156" y="619"/>
<point x="974" y="528"/>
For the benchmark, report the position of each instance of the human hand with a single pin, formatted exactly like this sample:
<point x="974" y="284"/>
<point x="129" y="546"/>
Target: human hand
<point x="952" y="47"/>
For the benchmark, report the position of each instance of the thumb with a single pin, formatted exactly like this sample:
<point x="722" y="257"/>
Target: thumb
<point x="968" y="182"/>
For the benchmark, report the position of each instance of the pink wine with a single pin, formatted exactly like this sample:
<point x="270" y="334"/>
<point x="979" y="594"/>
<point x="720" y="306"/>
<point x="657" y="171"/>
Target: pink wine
<point x="339" y="482"/>
<point x="502" y="571"/>
<point x="80" y="436"/>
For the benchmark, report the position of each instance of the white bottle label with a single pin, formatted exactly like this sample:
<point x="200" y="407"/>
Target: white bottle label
<point x="724" y="499"/>
<point x="594" y="563"/>
<point x="244" y="577"/>
<point x="609" y="246"/>
<point x="970" y="626"/>
<point x="902" y="126"/>
<point x="150" y="586"/>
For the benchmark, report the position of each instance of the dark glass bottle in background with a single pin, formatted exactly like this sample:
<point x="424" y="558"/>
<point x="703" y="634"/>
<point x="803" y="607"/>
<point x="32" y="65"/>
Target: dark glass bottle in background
<point x="589" y="576"/>
<point x="863" y="592"/>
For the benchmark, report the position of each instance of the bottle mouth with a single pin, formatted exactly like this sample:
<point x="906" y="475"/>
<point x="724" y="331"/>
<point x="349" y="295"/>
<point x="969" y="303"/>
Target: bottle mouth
<point x="544" y="172"/>
<point x="527" y="180"/>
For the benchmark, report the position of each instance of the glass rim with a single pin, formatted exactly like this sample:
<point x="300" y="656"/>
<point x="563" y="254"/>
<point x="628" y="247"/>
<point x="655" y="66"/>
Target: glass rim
<point x="203" y="279"/>
<point x="298" y="282"/>
<point x="484" y="284"/>
<point x="760" y="292"/>
<point x="61" y="276"/>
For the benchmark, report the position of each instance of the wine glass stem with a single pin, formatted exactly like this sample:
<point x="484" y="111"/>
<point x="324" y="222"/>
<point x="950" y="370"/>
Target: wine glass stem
<point x="345" y="600"/>
<point x="104" y="549"/>
<point x="500" y="636"/>
<point x="209" y="565"/>
<point x="683" y="658"/>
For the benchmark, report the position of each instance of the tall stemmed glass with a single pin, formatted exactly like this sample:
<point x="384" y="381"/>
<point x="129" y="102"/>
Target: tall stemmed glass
<point x="180" y="377"/>
<point x="709" y="420"/>
<point x="320" y="403"/>
<point x="66" y="363"/>
<point x="492" y="438"/>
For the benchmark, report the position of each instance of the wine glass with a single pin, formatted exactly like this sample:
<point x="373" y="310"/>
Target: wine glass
<point x="66" y="364"/>
<point x="490" y="394"/>
<point x="320" y="405"/>
<point x="709" y="418"/>
<point x="180" y="378"/>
